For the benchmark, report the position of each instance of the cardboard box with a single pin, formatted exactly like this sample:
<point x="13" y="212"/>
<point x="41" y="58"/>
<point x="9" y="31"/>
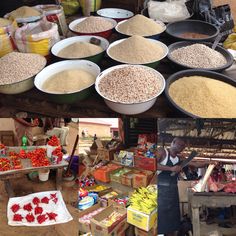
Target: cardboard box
<point x="127" y="178"/>
<point x="103" y="174"/>
<point x="145" y="163"/>
<point x="84" y="227"/>
<point x="116" y="229"/>
<point x="106" y="150"/>
<point x="141" y="220"/>
<point x="140" y="232"/>
<point x="103" y="192"/>
<point x="142" y="179"/>
<point x="115" y="178"/>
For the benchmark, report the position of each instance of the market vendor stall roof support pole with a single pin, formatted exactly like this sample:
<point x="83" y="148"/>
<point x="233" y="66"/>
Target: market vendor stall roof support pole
<point x="67" y="173"/>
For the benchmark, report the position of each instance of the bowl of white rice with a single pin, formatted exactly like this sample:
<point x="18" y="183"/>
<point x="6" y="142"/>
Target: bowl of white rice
<point x="130" y="89"/>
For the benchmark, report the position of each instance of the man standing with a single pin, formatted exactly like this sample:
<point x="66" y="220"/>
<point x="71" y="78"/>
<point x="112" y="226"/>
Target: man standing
<point x="168" y="196"/>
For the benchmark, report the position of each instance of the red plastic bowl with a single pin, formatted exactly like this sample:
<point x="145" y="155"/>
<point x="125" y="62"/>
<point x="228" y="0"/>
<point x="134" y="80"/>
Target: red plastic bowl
<point x="104" y="34"/>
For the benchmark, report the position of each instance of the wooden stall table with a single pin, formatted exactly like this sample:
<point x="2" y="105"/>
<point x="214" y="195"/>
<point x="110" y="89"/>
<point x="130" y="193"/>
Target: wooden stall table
<point x="6" y="176"/>
<point x="198" y="200"/>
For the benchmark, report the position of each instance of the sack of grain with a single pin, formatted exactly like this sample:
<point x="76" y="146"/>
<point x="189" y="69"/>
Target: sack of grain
<point x="55" y="13"/>
<point x="7" y="29"/>
<point x="37" y="37"/>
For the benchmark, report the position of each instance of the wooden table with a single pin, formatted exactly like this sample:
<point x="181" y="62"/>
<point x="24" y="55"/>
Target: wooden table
<point x="26" y="169"/>
<point x="198" y="200"/>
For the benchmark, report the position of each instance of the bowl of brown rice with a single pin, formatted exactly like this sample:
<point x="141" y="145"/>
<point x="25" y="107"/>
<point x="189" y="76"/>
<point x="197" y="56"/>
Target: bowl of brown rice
<point x="138" y="50"/>
<point x="93" y="25"/>
<point x="130" y="89"/>
<point x="80" y="47"/>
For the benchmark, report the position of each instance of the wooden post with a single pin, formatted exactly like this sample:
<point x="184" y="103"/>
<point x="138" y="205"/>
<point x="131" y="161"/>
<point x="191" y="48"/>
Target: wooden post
<point x="195" y="221"/>
<point x="59" y="179"/>
<point x="8" y="188"/>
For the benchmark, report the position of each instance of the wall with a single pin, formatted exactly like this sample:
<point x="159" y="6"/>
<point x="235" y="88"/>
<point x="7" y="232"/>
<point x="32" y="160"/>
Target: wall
<point x="99" y="130"/>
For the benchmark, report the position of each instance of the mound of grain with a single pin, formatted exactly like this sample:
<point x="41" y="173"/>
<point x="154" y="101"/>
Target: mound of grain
<point x="4" y="22"/>
<point x="204" y="97"/>
<point x="140" y="25"/>
<point x="137" y="50"/>
<point x="80" y="50"/>
<point x="93" y="24"/>
<point x="198" y="56"/>
<point x="24" y="12"/>
<point x="130" y="84"/>
<point x="69" y="81"/>
<point x="16" y="66"/>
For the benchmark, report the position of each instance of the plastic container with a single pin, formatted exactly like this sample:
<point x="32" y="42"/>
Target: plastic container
<point x="44" y="175"/>
<point x="50" y="149"/>
<point x="55" y="14"/>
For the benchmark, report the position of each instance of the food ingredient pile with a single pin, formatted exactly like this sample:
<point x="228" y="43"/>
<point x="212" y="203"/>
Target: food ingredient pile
<point x="16" y="66"/>
<point x="80" y="50"/>
<point x="68" y="81"/>
<point x="4" y="22"/>
<point x="191" y="35"/>
<point x="130" y="84"/>
<point x="93" y="24"/>
<point x="204" y="97"/>
<point x="137" y="50"/>
<point x="198" y="56"/>
<point x="24" y="12"/>
<point x="140" y="25"/>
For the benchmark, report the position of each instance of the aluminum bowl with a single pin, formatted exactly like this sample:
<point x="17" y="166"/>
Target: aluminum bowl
<point x="21" y="86"/>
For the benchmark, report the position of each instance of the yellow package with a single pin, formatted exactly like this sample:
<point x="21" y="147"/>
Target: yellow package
<point x="41" y="42"/>
<point x="6" y="41"/>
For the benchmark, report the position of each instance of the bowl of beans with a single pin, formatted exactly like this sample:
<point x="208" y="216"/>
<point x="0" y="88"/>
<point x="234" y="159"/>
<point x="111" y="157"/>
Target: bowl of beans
<point x="192" y="55"/>
<point x="18" y="71"/>
<point x="93" y="25"/>
<point x="130" y="89"/>
<point x="192" y="30"/>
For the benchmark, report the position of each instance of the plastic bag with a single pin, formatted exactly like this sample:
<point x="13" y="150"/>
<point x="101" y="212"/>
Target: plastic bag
<point x="37" y="37"/>
<point x="219" y="16"/>
<point x="6" y="42"/>
<point x="168" y="11"/>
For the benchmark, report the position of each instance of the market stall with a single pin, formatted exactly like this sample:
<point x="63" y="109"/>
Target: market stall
<point x="119" y="38"/>
<point x="30" y="199"/>
<point x="116" y="195"/>
<point x="206" y="191"/>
